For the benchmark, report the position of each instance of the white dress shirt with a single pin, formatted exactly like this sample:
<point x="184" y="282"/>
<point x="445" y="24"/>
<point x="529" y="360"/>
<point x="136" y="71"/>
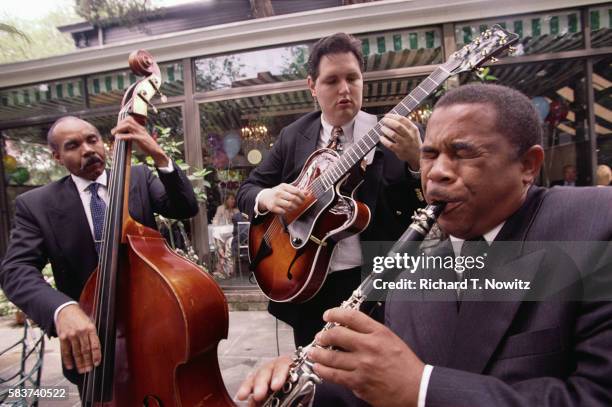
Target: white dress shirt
<point x="457" y="243"/>
<point x="82" y="186"/>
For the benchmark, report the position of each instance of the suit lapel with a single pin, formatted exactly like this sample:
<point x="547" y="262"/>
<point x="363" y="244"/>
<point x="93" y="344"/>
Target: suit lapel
<point x="483" y="319"/>
<point x="70" y="227"/>
<point x="433" y="316"/>
<point x="306" y="142"/>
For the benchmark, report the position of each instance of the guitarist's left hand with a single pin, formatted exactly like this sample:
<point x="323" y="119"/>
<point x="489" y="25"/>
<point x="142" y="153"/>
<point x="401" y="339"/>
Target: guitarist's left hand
<point x="402" y="137"/>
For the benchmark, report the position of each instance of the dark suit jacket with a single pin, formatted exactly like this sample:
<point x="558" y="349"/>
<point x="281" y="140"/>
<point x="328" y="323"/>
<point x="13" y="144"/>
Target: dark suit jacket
<point x="50" y="226"/>
<point x="388" y="188"/>
<point x="556" y="352"/>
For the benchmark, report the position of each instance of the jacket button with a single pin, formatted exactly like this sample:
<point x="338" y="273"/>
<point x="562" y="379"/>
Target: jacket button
<point x="398" y="213"/>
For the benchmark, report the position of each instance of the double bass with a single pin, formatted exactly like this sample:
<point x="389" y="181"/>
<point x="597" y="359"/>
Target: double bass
<point x="159" y="317"/>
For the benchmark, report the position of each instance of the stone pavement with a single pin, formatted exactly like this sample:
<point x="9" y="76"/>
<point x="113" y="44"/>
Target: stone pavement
<point x="251" y="342"/>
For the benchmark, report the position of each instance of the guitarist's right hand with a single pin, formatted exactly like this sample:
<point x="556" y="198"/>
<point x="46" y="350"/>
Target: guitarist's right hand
<point x="280" y="199"/>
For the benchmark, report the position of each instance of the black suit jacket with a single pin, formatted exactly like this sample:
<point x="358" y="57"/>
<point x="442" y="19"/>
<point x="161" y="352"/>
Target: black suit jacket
<point x="556" y="352"/>
<point x="389" y="190"/>
<point x="50" y="226"/>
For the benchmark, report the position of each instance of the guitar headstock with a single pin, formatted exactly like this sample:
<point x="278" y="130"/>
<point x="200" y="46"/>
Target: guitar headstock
<point x="137" y="100"/>
<point x="483" y="48"/>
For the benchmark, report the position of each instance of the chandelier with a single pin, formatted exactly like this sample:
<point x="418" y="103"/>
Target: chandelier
<point x="254" y="132"/>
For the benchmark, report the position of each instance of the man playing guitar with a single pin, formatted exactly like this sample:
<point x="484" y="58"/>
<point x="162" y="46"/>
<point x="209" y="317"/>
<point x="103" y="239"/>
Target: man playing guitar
<point x="391" y="187"/>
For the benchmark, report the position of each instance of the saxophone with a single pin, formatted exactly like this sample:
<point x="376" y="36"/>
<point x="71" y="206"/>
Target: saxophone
<point x="299" y="388"/>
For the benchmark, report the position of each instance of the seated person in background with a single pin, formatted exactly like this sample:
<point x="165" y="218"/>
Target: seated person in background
<point x="224" y="213"/>
<point x="604" y="176"/>
<point x="222" y="238"/>
<point x="569" y="177"/>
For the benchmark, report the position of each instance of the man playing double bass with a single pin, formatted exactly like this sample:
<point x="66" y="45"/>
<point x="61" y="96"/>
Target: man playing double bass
<point x="391" y="187"/>
<point x="60" y="222"/>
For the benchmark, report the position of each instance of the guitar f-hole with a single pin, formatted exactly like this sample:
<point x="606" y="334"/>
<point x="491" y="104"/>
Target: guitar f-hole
<point x="297" y="255"/>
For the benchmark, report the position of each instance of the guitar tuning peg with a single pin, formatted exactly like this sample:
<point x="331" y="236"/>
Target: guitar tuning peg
<point x="494" y="60"/>
<point x="511" y="50"/>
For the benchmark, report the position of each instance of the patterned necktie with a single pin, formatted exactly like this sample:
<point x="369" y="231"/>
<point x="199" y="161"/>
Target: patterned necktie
<point x="98" y="209"/>
<point x="336" y="140"/>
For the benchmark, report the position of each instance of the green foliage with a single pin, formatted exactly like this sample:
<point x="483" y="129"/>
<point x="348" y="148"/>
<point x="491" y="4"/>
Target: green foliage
<point x="9" y="29"/>
<point x="102" y="13"/>
<point x="171" y="147"/>
<point x="216" y="73"/>
<point x="38" y="161"/>
<point x="6" y="307"/>
<point x="297" y="64"/>
<point x="22" y="40"/>
<point x="484" y="75"/>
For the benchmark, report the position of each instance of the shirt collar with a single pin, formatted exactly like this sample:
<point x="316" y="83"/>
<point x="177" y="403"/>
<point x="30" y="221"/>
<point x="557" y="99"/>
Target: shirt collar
<point x="347" y="128"/>
<point x="82" y="184"/>
<point x="489" y="237"/>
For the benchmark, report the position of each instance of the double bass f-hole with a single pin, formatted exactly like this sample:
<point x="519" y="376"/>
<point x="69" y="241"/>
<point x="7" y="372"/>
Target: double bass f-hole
<point x="152" y="401"/>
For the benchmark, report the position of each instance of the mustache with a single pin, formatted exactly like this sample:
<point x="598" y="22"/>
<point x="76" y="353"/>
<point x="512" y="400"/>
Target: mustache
<point x="91" y="160"/>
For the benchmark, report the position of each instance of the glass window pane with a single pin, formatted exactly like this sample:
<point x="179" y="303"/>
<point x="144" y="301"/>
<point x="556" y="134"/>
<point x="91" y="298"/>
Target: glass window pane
<point x="560" y="88"/>
<point x="50" y="98"/>
<point x="601" y="26"/>
<point x="388" y="50"/>
<point x="270" y="65"/>
<point x="108" y="88"/>
<point x="540" y="33"/>
<point x="31" y="162"/>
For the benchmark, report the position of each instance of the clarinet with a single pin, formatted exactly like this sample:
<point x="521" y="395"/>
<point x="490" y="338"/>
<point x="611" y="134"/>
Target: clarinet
<point x="299" y="388"/>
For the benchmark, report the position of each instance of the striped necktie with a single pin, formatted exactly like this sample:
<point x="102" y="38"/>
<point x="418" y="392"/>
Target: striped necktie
<point x="98" y="210"/>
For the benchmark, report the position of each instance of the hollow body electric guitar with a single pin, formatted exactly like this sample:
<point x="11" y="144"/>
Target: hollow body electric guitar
<point x="290" y="254"/>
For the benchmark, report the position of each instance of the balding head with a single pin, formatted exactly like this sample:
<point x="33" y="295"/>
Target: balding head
<point x="78" y="146"/>
<point x="58" y="123"/>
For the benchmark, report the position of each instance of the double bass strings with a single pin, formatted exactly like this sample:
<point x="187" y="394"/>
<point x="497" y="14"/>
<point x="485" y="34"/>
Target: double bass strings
<point x="119" y="157"/>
